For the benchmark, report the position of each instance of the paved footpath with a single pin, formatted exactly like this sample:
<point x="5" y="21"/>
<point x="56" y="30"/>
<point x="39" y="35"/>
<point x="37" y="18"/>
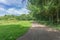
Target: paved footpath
<point x="41" y="32"/>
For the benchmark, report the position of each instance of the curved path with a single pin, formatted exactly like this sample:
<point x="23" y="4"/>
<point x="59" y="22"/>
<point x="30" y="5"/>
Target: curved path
<point x="41" y="32"/>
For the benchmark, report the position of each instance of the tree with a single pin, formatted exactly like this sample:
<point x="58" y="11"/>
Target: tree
<point x="46" y="10"/>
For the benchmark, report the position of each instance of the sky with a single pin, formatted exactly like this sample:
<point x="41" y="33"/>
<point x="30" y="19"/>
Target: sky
<point x="14" y="7"/>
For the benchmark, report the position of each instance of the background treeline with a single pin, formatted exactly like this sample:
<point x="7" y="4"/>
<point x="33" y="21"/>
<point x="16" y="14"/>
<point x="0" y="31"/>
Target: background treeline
<point x="14" y="17"/>
<point x="45" y="10"/>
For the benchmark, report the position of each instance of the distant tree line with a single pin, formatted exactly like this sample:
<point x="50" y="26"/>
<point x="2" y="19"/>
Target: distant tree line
<point x="14" y="17"/>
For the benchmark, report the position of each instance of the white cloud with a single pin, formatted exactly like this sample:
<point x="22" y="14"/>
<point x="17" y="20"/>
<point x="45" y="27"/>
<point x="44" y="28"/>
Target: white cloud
<point x="2" y="11"/>
<point x="11" y="2"/>
<point x="2" y="1"/>
<point x="13" y="11"/>
<point x="2" y="8"/>
<point x="17" y="3"/>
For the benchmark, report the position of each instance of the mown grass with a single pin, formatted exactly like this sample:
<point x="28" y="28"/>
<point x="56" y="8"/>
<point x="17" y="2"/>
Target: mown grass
<point x="11" y="30"/>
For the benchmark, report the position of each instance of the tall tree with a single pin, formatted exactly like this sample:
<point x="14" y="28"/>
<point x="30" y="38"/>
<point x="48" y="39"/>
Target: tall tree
<point x="46" y="10"/>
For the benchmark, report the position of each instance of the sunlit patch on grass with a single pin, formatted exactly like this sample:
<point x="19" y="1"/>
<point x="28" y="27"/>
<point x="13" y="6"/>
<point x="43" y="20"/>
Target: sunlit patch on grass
<point x="12" y="30"/>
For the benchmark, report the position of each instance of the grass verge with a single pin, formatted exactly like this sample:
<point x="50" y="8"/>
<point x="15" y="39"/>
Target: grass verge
<point x="11" y="30"/>
<point x="54" y="26"/>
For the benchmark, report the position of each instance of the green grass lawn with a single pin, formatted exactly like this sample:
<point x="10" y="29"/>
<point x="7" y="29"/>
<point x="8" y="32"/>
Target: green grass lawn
<point x="11" y="30"/>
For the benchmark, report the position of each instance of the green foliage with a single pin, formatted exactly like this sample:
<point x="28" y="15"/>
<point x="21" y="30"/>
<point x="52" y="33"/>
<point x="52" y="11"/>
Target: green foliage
<point x="13" y="17"/>
<point x="47" y="10"/>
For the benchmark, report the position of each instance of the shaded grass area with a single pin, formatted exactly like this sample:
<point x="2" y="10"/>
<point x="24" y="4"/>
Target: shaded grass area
<point x="50" y="24"/>
<point x="56" y="27"/>
<point x="11" y="31"/>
